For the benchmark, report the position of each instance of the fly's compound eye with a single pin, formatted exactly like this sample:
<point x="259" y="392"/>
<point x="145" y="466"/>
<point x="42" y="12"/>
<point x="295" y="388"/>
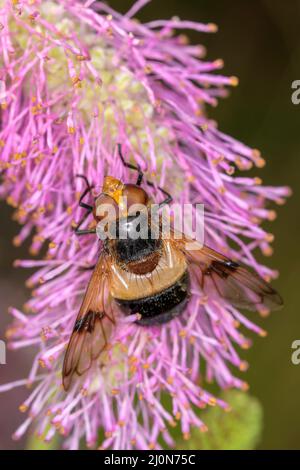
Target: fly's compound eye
<point x="106" y="211"/>
<point x="134" y="195"/>
<point x="105" y="207"/>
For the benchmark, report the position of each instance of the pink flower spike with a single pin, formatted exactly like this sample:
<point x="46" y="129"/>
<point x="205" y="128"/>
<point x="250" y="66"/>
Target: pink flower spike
<point x="76" y="79"/>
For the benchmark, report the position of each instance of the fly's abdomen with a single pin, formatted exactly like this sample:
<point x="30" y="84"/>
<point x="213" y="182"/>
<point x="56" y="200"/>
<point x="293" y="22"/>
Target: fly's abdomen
<point x="160" y="307"/>
<point x="159" y="294"/>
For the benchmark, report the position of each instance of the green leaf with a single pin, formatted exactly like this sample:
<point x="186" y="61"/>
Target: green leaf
<point x="36" y="443"/>
<point x="239" y="429"/>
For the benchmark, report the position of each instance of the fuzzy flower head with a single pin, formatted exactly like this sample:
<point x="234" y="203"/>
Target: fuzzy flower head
<point x="76" y="79"/>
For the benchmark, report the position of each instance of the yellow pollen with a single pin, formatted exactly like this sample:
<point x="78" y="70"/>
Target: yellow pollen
<point x="23" y="408"/>
<point x="230" y="171"/>
<point x="172" y="423"/>
<point x="264" y="312"/>
<point x="269" y="237"/>
<point x="38" y="239"/>
<point x="263" y="333"/>
<point x="243" y="366"/>
<point x="245" y="345"/>
<point x="42" y="363"/>
<point x="272" y="215"/>
<point x="183" y="39"/>
<point x="219" y="63"/>
<point x="267" y="251"/>
<point x="36" y="109"/>
<point x="132" y="359"/>
<point x="75" y="80"/>
<point x="212" y="401"/>
<point x="11" y="201"/>
<point x="17" y="241"/>
<point x="148" y="69"/>
<point x="245" y="387"/>
<point x="191" y="178"/>
<point x="213" y="28"/>
<point x="9" y="332"/>
<point x="260" y="162"/>
<point x="234" y="81"/>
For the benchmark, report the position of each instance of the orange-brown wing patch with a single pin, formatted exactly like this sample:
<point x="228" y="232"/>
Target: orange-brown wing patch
<point x="93" y="326"/>
<point x="231" y="281"/>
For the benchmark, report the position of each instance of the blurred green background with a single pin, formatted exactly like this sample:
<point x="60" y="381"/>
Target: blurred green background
<point x="259" y="41"/>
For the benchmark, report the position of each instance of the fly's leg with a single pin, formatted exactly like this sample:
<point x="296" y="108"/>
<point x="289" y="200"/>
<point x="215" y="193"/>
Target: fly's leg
<point x="88" y="268"/>
<point x="168" y="198"/>
<point x="132" y="167"/>
<point x="85" y="206"/>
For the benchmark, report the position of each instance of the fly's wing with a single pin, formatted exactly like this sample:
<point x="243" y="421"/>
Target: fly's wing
<point x="93" y="326"/>
<point x="231" y="281"/>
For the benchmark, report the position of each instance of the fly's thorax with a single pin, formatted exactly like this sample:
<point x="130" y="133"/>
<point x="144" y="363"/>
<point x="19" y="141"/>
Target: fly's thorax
<point x="134" y="244"/>
<point x="130" y="227"/>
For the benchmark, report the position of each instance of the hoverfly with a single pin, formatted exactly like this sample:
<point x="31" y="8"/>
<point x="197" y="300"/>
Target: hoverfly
<point x="149" y="277"/>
